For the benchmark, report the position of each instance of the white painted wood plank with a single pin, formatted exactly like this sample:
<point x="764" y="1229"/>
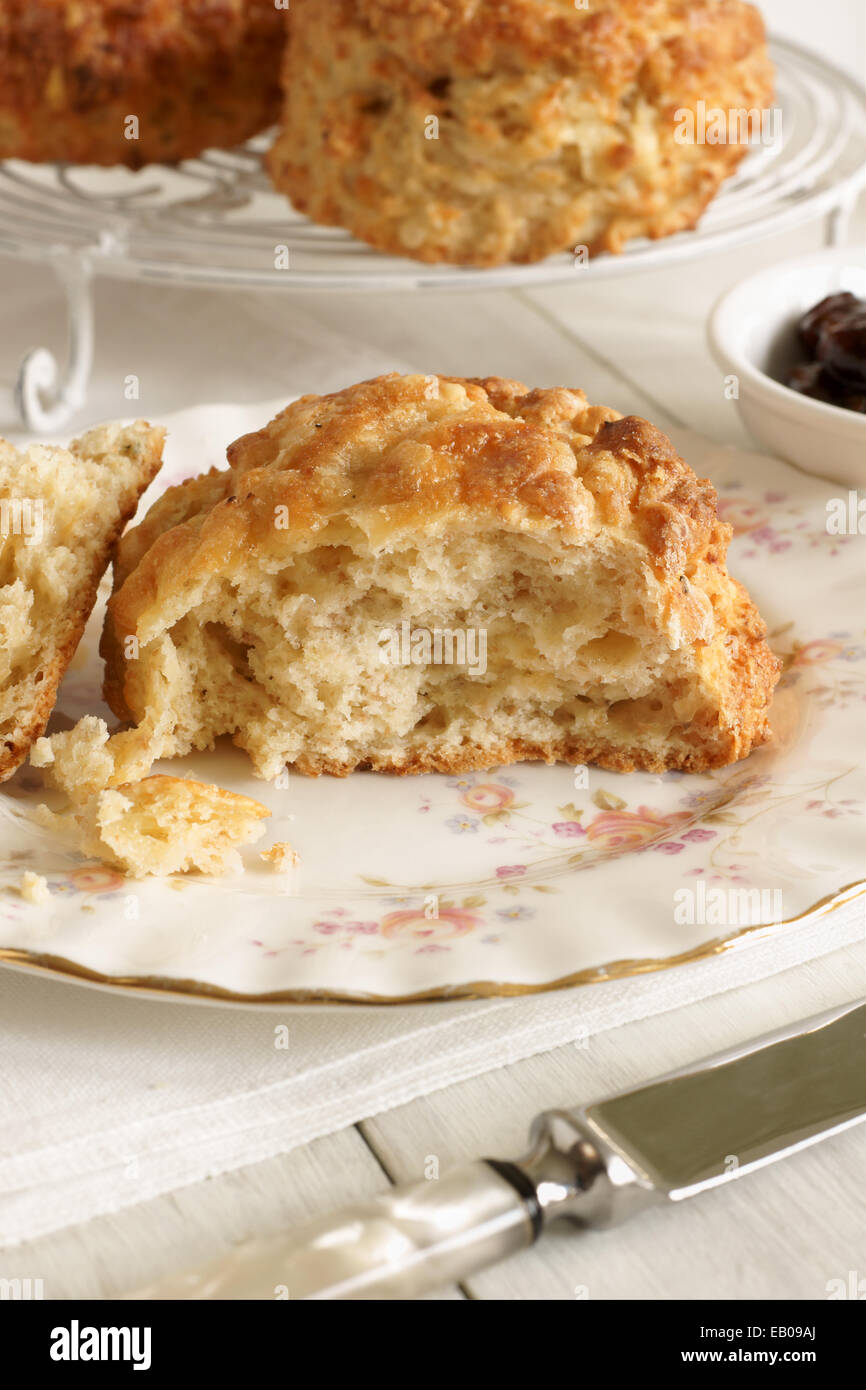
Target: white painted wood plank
<point x="780" y="1233"/>
<point x="476" y="334"/>
<point x="120" y="1252"/>
<point x="261" y="345"/>
<point x="652" y="328"/>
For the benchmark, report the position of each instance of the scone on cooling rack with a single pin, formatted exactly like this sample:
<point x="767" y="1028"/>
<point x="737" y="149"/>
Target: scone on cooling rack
<point x="192" y="73"/>
<point x="486" y="131"/>
<point x="61" y="510"/>
<point x="424" y="573"/>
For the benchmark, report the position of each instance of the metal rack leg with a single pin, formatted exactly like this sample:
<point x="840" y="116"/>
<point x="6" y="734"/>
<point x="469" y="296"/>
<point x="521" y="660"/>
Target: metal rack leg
<point x="837" y="225"/>
<point x="46" y="396"/>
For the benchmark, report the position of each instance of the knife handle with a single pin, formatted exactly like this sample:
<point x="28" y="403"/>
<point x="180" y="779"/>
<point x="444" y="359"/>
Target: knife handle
<point x="402" y="1244"/>
<point x="414" y="1239"/>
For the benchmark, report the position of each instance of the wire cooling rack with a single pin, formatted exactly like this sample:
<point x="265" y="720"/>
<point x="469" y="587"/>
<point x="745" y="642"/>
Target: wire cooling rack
<point x="216" y="221"/>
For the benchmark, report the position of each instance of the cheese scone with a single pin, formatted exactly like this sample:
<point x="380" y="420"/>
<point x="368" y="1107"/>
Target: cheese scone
<point x="135" y="81"/>
<point x="487" y="131"/>
<point x="424" y="573"/>
<point x="167" y="825"/>
<point x="61" y="511"/>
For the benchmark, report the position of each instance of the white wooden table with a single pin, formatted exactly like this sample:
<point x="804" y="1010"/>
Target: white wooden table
<point x="636" y="344"/>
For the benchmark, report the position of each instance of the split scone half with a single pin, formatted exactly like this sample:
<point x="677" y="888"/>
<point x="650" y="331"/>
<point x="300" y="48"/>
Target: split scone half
<point x="487" y="131"/>
<point x="292" y="601"/>
<point x="61" y="511"/>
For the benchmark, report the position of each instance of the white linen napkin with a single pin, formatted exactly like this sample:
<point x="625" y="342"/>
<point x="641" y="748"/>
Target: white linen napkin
<point x="106" y="1101"/>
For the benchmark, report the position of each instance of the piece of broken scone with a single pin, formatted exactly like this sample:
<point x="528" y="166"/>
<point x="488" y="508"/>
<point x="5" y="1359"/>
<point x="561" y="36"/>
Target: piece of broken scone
<point x="169" y="825"/>
<point x="84" y="760"/>
<point x="61" y="511"/>
<point x="159" y="825"/>
<point x="425" y="573"/>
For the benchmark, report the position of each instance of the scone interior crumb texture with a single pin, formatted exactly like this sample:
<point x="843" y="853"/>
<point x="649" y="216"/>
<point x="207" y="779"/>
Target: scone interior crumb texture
<point x="165" y="825"/>
<point x="481" y="133"/>
<point x="576" y="541"/>
<point x="61" y="510"/>
<point x="85" y="759"/>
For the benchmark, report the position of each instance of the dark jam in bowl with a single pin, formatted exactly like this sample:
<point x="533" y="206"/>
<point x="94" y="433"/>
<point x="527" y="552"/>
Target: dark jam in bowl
<point x="833" y="337"/>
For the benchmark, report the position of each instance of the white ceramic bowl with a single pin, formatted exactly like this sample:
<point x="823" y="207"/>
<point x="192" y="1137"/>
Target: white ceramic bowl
<point x="752" y="336"/>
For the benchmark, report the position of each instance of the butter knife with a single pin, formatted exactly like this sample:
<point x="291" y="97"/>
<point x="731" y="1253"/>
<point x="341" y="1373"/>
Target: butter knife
<point x="689" y="1131"/>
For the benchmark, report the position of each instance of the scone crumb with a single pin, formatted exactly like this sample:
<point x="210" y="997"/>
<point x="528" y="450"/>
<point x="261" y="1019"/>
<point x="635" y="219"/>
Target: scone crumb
<point x="42" y="754"/>
<point x="53" y="820"/>
<point x="281" y="857"/>
<point x="34" y="888"/>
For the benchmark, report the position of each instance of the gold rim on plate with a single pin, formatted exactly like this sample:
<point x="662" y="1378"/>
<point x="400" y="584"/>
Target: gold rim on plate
<point x="162" y="987"/>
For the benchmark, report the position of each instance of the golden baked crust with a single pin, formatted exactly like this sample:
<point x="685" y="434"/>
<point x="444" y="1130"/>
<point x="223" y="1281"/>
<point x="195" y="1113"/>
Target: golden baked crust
<point x="553" y="126"/>
<point x="85" y="496"/>
<point x="196" y="73"/>
<point x="577" y="539"/>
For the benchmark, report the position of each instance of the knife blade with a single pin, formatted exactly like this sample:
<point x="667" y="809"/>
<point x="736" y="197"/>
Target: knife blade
<point x="688" y="1131"/>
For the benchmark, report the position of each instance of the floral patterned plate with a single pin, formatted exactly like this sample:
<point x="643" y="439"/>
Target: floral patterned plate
<point x="509" y="881"/>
